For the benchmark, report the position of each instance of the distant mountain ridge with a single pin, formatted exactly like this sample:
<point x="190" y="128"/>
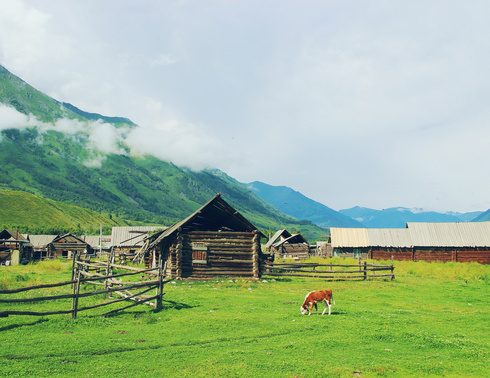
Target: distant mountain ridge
<point x="397" y="217"/>
<point x="299" y="206"/>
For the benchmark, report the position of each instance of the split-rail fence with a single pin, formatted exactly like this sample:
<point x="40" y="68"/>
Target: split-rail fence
<point x="86" y="272"/>
<point x="360" y="271"/>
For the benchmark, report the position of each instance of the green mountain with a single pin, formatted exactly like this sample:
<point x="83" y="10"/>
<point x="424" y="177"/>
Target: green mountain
<point x="66" y="168"/>
<point x="483" y="217"/>
<point x="297" y="205"/>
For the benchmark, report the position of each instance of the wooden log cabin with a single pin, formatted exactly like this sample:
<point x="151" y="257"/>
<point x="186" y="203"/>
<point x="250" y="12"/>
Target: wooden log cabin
<point x="286" y="245"/>
<point x="14" y="248"/>
<point x="56" y="246"/>
<point x="214" y="241"/>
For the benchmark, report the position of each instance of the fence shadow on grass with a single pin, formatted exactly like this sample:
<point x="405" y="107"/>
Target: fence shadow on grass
<point x="176" y="305"/>
<point x="14" y="326"/>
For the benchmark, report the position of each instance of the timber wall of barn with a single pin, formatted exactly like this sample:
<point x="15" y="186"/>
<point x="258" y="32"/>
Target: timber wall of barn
<point x="479" y="255"/>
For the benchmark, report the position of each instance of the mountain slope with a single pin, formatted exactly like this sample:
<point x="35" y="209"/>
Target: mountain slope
<point x="483" y="217"/>
<point x="29" y="213"/>
<point x="65" y="167"/>
<point x="297" y="205"/>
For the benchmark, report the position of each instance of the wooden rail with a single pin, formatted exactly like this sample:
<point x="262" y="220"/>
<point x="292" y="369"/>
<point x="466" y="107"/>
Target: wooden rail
<point x="364" y="270"/>
<point x="81" y="275"/>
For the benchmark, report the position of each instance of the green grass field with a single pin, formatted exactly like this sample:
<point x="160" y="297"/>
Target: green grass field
<point x="432" y="320"/>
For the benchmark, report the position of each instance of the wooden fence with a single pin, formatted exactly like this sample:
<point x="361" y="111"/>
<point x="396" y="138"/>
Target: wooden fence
<point x="86" y="272"/>
<point x="360" y="271"/>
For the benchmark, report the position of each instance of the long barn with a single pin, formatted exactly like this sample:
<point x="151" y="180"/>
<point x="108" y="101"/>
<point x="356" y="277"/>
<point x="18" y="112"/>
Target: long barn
<point x="462" y="242"/>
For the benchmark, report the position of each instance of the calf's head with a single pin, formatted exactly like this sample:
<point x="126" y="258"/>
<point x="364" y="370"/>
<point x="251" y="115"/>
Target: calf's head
<point x="304" y="310"/>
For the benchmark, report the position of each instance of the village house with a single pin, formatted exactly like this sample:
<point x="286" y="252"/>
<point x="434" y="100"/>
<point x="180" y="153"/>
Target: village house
<point x="216" y="240"/>
<point x="47" y="247"/>
<point x="14" y="248"/>
<point x="286" y="245"/>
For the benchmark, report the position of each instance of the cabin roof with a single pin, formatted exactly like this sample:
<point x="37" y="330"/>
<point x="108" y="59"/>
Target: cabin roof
<point x="12" y="236"/>
<point x="283" y="234"/>
<point x="40" y="241"/>
<point x="214" y="215"/>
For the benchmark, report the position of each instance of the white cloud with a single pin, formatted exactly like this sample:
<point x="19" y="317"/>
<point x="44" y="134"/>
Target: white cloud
<point x="352" y="103"/>
<point x="10" y="118"/>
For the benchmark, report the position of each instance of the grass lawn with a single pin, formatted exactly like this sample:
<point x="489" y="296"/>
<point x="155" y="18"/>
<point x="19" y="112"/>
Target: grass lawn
<point x="432" y="320"/>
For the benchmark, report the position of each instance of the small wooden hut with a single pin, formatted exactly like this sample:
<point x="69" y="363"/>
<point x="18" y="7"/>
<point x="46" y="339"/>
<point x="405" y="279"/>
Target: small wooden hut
<point x="14" y="248"/>
<point x="55" y="246"/>
<point x="216" y="240"/>
<point x="285" y="245"/>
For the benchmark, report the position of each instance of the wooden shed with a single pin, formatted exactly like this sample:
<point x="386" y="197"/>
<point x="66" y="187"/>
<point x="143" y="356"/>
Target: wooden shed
<point x="56" y="246"/>
<point x="286" y="245"/>
<point x="14" y="248"/>
<point x="216" y="240"/>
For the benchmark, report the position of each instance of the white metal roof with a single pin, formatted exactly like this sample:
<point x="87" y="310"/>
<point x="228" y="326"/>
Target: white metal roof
<point x="390" y="237"/>
<point x="461" y="234"/>
<point x="131" y="236"/>
<point x="94" y="240"/>
<point x="40" y="241"/>
<point x="349" y="237"/>
<point x="417" y="234"/>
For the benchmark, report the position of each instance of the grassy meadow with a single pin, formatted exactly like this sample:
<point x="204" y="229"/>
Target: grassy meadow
<point x="432" y="320"/>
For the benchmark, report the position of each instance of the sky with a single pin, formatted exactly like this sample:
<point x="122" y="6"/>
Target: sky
<point x="373" y="103"/>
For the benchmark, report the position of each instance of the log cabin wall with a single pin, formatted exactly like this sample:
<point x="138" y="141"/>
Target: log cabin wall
<point x="208" y="254"/>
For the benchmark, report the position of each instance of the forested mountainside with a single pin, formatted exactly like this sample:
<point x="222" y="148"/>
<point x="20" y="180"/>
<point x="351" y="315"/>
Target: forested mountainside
<point x="39" y="156"/>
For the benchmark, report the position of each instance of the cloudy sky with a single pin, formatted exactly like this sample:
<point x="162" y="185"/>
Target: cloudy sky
<point x="353" y="103"/>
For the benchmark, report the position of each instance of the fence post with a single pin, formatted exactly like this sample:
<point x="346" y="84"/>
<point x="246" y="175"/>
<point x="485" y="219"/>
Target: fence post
<point x="392" y="269"/>
<point x="365" y="270"/>
<point x="76" y="291"/>
<point x="73" y="266"/>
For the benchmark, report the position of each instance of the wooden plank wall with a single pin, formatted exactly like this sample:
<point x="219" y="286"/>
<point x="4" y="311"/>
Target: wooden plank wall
<point x="229" y="254"/>
<point x="458" y="255"/>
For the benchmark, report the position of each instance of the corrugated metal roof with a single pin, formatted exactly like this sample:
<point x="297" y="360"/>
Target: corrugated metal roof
<point x="389" y="237"/>
<point x="40" y="241"/>
<point x="131" y="236"/>
<point x="349" y="237"/>
<point x="94" y="240"/>
<point x="417" y="234"/>
<point x="461" y="234"/>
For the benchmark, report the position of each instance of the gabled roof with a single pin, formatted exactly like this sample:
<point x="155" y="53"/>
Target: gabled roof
<point x="40" y="241"/>
<point x="293" y="239"/>
<point x="283" y="234"/>
<point x="12" y="236"/>
<point x="61" y="239"/>
<point x="215" y="215"/>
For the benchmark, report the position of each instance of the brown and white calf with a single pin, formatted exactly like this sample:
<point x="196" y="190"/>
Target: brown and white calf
<point x="314" y="297"/>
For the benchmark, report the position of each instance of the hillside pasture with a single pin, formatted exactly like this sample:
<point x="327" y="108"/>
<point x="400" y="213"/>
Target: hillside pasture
<point x="432" y="320"/>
